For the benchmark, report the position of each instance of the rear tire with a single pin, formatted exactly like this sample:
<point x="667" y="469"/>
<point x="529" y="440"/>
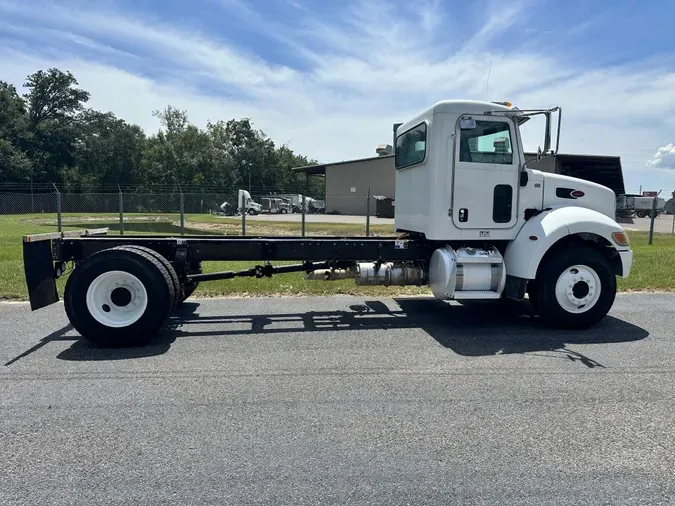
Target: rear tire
<point x="177" y="288"/>
<point x="119" y="297"/>
<point x="641" y="214"/>
<point x="574" y="289"/>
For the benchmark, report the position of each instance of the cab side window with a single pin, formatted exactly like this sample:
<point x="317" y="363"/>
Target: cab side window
<point x="486" y="142"/>
<point x="411" y="146"/>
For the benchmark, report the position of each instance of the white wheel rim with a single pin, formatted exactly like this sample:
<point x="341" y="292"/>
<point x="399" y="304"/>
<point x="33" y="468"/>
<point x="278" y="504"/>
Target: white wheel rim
<point x="578" y="289"/>
<point x="117" y="299"/>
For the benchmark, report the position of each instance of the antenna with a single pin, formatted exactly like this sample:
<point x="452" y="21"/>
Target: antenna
<point x="487" y="82"/>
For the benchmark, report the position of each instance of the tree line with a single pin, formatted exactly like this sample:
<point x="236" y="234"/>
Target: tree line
<point x="49" y="135"/>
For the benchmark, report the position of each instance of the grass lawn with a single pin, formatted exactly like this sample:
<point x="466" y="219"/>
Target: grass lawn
<point x="653" y="267"/>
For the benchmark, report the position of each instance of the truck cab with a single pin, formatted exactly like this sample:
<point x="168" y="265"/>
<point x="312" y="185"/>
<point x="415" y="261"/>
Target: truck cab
<point x="462" y="180"/>
<point x="461" y="173"/>
<point x="247" y="204"/>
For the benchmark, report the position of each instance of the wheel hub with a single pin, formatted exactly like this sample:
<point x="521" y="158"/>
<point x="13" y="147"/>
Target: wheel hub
<point x="116" y="299"/>
<point x="578" y="289"/>
<point x="121" y="296"/>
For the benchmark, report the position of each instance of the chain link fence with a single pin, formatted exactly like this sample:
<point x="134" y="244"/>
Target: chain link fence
<point x="191" y="213"/>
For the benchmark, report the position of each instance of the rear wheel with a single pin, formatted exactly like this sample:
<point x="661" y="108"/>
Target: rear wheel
<point x="574" y="289"/>
<point x="167" y="265"/>
<point x="641" y="214"/>
<point x="119" y="297"/>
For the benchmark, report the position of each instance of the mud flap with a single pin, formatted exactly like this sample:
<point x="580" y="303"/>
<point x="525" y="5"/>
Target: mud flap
<point x="39" y="268"/>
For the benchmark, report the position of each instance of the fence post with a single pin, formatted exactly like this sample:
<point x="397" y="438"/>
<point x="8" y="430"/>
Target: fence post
<point x="368" y="215"/>
<point x="243" y="217"/>
<point x="121" y="210"/>
<point x="58" y="208"/>
<point x="182" y="211"/>
<point x="672" y="231"/>
<point x="304" y="203"/>
<point x="652" y="218"/>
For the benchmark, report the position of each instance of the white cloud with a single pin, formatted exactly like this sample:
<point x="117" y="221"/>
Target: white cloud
<point x="347" y="78"/>
<point x="664" y="158"/>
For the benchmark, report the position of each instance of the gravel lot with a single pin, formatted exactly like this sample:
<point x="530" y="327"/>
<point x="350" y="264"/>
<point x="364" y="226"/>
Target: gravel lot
<point x="342" y="401"/>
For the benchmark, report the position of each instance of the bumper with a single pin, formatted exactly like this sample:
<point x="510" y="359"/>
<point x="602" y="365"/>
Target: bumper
<point x="626" y="262"/>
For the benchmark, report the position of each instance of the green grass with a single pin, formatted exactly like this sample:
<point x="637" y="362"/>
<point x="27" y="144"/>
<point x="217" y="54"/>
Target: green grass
<point x="653" y="267"/>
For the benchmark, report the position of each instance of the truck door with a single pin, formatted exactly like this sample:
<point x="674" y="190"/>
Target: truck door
<point x="486" y="173"/>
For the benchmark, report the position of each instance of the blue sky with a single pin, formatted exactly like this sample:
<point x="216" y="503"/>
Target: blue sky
<point x="330" y="78"/>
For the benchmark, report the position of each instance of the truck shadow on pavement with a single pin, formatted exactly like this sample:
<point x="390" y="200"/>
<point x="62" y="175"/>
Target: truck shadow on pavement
<point x="476" y="329"/>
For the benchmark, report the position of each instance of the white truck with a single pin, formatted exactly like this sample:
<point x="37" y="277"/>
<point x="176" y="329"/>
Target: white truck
<point x="246" y="202"/>
<point x="474" y="222"/>
<point x="628" y="206"/>
<point x="276" y="205"/>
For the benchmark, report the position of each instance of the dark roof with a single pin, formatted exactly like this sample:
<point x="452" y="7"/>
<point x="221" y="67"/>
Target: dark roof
<point x="321" y="168"/>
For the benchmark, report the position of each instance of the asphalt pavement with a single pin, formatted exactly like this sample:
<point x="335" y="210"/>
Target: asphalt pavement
<point x="342" y="401"/>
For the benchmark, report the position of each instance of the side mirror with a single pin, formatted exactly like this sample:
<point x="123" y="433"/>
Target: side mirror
<point x="547" y="133"/>
<point x="538" y="154"/>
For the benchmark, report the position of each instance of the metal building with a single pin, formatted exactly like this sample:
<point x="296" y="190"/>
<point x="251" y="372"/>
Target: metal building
<point x="348" y="182"/>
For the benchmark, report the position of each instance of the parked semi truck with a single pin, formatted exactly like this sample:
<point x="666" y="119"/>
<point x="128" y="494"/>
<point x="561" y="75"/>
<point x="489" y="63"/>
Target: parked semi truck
<point x="473" y="222"/>
<point x="246" y="202"/>
<point x="628" y="206"/>
<point x="312" y="205"/>
<point x="276" y="205"/>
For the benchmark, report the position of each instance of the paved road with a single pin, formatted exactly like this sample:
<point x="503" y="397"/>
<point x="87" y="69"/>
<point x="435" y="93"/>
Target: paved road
<point x="342" y="401"/>
<point x="663" y="224"/>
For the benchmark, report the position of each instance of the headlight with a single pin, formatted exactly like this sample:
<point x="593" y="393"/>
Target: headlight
<point x="621" y="238"/>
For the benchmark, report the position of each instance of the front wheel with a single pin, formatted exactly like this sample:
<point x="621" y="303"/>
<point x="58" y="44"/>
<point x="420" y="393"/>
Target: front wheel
<point x="575" y="288"/>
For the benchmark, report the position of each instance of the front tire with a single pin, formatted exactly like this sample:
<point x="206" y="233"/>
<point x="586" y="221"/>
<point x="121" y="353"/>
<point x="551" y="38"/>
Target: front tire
<point x="575" y="288"/>
<point x="119" y="297"/>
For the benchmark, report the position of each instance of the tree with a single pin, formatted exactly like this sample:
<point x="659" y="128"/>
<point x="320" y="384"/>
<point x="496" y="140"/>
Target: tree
<point x="52" y="95"/>
<point x="53" y="104"/>
<point x="107" y="151"/>
<point x="49" y="136"/>
<point x="15" y="165"/>
<point x="181" y="154"/>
